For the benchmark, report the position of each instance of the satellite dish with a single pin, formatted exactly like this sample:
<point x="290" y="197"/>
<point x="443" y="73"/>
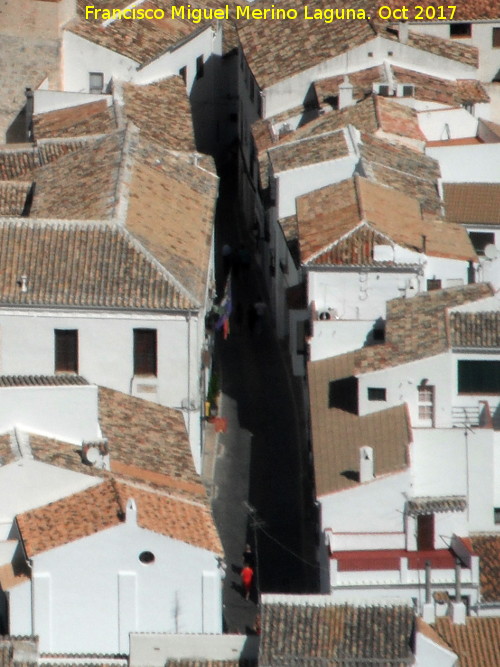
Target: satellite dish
<point x="491" y="251"/>
<point x="92" y="455"/>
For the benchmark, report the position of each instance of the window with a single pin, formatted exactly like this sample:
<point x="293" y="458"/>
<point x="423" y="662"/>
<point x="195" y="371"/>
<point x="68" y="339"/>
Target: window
<point x="377" y="394"/>
<point x="480" y="240"/>
<point x="460" y="30"/>
<point x="408" y="90"/>
<point x="425" y="532"/>
<point x="426" y="404"/>
<point x="145" y="352"/>
<point x="433" y="283"/>
<point x="479" y="377"/>
<point x="200" y="67"/>
<point x="66" y="350"/>
<point x="147" y="557"/>
<point x="96" y="82"/>
<point x="183" y="73"/>
<point x="496" y="514"/>
<point x="495" y="42"/>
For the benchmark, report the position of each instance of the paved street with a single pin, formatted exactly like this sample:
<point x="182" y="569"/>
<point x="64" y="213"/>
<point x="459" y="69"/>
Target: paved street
<point x="261" y="456"/>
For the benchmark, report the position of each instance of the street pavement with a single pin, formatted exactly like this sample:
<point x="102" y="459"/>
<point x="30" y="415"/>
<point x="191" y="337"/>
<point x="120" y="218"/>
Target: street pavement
<point x="261" y="482"/>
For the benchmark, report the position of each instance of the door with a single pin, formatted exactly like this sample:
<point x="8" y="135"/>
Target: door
<point x="425" y="532"/>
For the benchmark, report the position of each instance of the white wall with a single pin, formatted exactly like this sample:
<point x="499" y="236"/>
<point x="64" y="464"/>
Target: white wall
<point x="401" y="384"/>
<point x="26" y="484"/>
<point x="44" y="410"/>
<point x="50" y="100"/>
<point x="83" y="583"/>
<point x="429" y="654"/>
<point x="447" y="124"/>
<point x="481" y="38"/>
<point x="79" y="57"/>
<point x="356" y="294"/>
<point x="368" y="516"/>
<point x="291" y="92"/>
<point x="476" y="163"/>
<point x="296" y="182"/>
<point x="105" y="350"/>
<point x="332" y="337"/>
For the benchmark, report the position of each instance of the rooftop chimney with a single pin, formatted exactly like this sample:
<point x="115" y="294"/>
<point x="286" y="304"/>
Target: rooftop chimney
<point x="428" y="612"/>
<point x="458" y="611"/>
<point x="131" y="512"/>
<point x="403" y="30"/>
<point x="346" y="97"/>
<point x="366" y="464"/>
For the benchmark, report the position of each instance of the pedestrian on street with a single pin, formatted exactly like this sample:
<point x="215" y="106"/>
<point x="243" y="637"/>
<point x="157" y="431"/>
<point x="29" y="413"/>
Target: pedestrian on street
<point x="246" y="580"/>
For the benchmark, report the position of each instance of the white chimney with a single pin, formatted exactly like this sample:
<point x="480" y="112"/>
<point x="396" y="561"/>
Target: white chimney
<point x="346" y="97"/>
<point x="24" y="283"/>
<point x="403" y="30"/>
<point x="131" y="512"/>
<point x="366" y="464"/>
<point x="458" y="611"/>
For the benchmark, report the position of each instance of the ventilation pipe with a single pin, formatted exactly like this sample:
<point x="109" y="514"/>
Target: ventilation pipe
<point x="366" y="464"/>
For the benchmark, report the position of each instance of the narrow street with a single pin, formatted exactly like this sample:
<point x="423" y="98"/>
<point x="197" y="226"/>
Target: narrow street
<point x="262" y="457"/>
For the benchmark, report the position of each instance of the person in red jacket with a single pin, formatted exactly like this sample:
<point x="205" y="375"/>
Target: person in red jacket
<point x="246" y="579"/>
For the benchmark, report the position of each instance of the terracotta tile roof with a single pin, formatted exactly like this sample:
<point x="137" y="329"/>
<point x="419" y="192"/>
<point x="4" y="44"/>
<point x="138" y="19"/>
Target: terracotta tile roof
<point x="327" y="634"/>
<point x="430" y="505"/>
<point x="475" y="643"/>
<point x="19" y="162"/>
<point x="446" y="91"/>
<point x="475" y="329"/>
<point x="69" y="519"/>
<point x="416" y="328"/>
<point x="472" y="10"/>
<point x="147" y="443"/>
<point x="87" y="264"/>
<point x="362" y="82"/>
<point x="446" y="48"/>
<point x="337" y="436"/>
<point x="402" y="168"/>
<point x="41" y="380"/>
<point x="82" y="184"/>
<point x="472" y="202"/>
<point x="396" y="118"/>
<point x="307" y="151"/>
<point x="148" y="437"/>
<point x="162" y="112"/>
<point x="487" y="547"/>
<point x="141" y="40"/>
<point x="182" y="239"/>
<point x="341" y="224"/>
<point x="82" y="119"/>
<point x="6" y="452"/>
<point x="278" y="49"/>
<point x="13" y="197"/>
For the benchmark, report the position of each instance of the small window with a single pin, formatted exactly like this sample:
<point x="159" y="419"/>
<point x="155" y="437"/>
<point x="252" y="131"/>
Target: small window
<point x="145" y="362"/>
<point x="496" y="514"/>
<point x="384" y="90"/>
<point x="200" y="67"/>
<point x="433" y="284"/>
<point x="377" y="394"/>
<point x="96" y="82"/>
<point x="183" y="73"/>
<point x="66" y="350"/>
<point x="147" y="557"/>
<point x="460" y="30"/>
<point x="379" y="335"/>
<point x="496" y="38"/>
<point x="480" y="240"/>
<point x="408" y="90"/>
